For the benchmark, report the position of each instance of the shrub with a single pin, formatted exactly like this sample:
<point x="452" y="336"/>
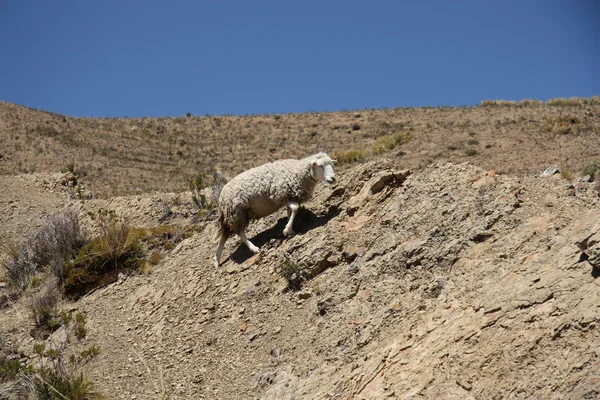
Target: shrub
<point x="44" y="308"/>
<point x="563" y="124"/>
<point x="473" y="142"/>
<point x="564" y="102"/>
<point x="388" y="142"/>
<point x="17" y="265"/>
<point x="53" y="245"/>
<point x="292" y="273"/>
<point x="196" y="186"/>
<point x="57" y="242"/>
<point x="55" y="379"/>
<point x="10" y="364"/>
<point x="497" y="103"/>
<point x="530" y="102"/>
<point x="349" y="156"/>
<point x="591" y="170"/>
<point x="471" y="152"/>
<point x="98" y="262"/>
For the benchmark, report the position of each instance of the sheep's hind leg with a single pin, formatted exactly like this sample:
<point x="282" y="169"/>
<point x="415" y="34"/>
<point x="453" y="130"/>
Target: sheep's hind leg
<point x="219" y="251"/>
<point x="292" y="211"/>
<point x="248" y="243"/>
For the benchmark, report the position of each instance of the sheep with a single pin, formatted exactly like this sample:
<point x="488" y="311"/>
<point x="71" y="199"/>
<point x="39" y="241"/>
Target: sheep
<point x="263" y="190"/>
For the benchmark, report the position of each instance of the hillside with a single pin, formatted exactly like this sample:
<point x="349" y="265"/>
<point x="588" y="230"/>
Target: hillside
<point x="452" y="282"/>
<point x="410" y="278"/>
<point x="118" y="156"/>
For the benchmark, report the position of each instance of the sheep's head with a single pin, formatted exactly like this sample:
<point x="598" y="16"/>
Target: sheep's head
<point x="322" y="168"/>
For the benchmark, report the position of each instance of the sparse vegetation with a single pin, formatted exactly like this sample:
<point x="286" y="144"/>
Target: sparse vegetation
<point x="563" y="123"/>
<point x="57" y="374"/>
<point x="44" y="308"/>
<point x="530" y="102"/>
<point x="497" y="103"/>
<point x="349" y="156"/>
<point x="145" y="150"/>
<point x="197" y="186"/>
<point x="99" y="261"/>
<point x="565" y="102"/>
<point x="388" y="142"/>
<point x="292" y="273"/>
<point x="590" y="169"/>
<point x="17" y="265"/>
<point x="471" y="152"/>
<point x="52" y="247"/>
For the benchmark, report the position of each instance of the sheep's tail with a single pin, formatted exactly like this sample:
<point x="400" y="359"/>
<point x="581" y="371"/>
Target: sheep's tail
<point x="222" y="228"/>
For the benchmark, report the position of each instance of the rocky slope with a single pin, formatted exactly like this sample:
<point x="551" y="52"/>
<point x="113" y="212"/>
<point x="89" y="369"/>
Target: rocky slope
<point x="453" y="282"/>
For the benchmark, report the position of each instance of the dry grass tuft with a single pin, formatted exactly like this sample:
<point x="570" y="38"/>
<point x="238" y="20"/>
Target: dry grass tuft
<point x="349" y="156"/>
<point x="530" y="103"/>
<point x="563" y="124"/>
<point x="388" y="142"/>
<point x="99" y="261"/>
<point x="497" y="103"/>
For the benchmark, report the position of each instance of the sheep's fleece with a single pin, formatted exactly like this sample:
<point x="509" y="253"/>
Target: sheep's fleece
<point x="262" y="190"/>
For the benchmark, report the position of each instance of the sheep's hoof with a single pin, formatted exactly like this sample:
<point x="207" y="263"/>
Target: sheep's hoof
<point x="255" y="250"/>
<point x="289" y="232"/>
<point x="216" y="263"/>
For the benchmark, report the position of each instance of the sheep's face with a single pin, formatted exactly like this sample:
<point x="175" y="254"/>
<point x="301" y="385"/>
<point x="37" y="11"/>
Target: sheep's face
<point x="322" y="170"/>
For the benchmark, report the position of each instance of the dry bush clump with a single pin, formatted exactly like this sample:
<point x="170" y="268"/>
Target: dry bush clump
<point x="565" y="102"/>
<point x="563" y="123"/>
<point x="292" y="273"/>
<point x="591" y="169"/>
<point x="99" y="261"/>
<point x="388" y="142"/>
<point x="44" y="307"/>
<point x="18" y="266"/>
<point x="497" y="103"/>
<point x="57" y="242"/>
<point x="530" y="103"/>
<point x="349" y="156"/>
<point x="54" y="244"/>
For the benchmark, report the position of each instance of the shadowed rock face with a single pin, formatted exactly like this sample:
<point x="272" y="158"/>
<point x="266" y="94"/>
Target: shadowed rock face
<point x="449" y="283"/>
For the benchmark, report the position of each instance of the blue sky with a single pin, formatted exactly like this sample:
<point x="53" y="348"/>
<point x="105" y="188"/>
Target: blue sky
<point x="166" y="58"/>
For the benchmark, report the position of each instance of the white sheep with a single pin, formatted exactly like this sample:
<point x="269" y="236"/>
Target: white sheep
<point x="263" y="190"/>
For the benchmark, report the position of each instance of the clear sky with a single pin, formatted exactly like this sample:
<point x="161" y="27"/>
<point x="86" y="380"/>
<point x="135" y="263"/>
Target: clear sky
<point x="167" y="58"/>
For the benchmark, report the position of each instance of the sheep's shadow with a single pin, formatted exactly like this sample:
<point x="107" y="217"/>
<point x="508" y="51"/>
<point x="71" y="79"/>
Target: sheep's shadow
<point x="304" y="222"/>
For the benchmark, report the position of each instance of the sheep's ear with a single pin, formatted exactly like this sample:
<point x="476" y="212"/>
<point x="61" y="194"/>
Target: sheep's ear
<point x="316" y="162"/>
<point x="333" y="161"/>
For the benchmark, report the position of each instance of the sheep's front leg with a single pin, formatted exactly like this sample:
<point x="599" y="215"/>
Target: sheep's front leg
<point x="248" y="243"/>
<point x="217" y="257"/>
<point x="292" y="211"/>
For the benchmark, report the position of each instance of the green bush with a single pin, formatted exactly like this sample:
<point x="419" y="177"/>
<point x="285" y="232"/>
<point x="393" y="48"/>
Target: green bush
<point x="292" y="273"/>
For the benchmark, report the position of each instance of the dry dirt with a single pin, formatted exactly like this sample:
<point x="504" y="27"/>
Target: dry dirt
<point x="451" y="282"/>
